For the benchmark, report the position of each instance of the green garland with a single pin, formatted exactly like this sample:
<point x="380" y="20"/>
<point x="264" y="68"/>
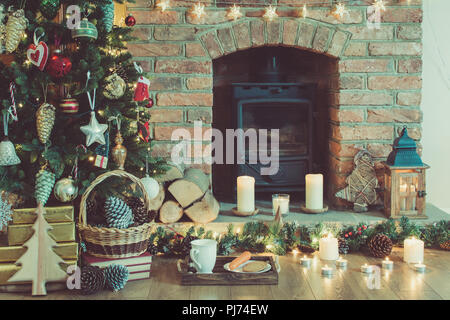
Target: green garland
<point x="281" y="238"/>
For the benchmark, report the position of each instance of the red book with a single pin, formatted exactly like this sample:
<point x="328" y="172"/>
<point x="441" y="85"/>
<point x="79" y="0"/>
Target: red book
<point x="140" y="263"/>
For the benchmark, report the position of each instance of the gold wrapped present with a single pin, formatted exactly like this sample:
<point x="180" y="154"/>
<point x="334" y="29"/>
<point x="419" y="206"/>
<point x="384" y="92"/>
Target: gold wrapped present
<point x="60" y="232"/>
<point x="67" y="251"/>
<point x="52" y="215"/>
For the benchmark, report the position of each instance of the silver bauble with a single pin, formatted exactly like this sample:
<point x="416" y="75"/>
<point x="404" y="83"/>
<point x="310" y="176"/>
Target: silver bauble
<point x="151" y="186"/>
<point x="66" y="190"/>
<point x="8" y="156"/>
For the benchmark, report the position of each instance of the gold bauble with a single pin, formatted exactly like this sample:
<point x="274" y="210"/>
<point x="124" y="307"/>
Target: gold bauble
<point x="115" y="87"/>
<point x="65" y="190"/>
<point x="45" y="120"/>
<point x="119" y="152"/>
<point x="15" y="27"/>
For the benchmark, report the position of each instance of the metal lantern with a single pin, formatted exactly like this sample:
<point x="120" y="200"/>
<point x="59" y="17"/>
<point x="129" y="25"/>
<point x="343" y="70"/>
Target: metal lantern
<point x="85" y="30"/>
<point x="404" y="180"/>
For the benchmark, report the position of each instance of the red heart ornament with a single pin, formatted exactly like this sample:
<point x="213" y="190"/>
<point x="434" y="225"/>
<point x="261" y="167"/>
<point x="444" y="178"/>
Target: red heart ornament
<point x="38" y="55"/>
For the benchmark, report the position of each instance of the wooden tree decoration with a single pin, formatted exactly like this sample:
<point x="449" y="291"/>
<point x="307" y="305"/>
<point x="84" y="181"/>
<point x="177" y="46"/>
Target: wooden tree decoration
<point x="361" y="183"/>
<point x="40" y="264"/>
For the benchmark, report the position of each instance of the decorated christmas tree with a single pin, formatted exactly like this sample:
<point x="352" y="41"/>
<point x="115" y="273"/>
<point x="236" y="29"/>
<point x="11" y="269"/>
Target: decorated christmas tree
<point x="71" y="96"/>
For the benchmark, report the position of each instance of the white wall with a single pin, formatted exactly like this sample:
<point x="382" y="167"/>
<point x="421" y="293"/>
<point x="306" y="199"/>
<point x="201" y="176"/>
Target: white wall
<point x="436" y="100"/>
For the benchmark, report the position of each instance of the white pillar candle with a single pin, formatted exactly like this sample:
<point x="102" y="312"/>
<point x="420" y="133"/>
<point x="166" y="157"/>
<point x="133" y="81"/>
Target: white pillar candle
<point x="328" y="248"/>
<point x="387" y="264"/>
<point x="280" y="201"/>
<point x="413" y="250"/>
<point x="403" y="189"/>
<point x="327" y="271"/>
<point x="305" y="261"/>
<point x="245" y="194"/>
<point x="314" y="191"/>
<point x="366" y="268"/>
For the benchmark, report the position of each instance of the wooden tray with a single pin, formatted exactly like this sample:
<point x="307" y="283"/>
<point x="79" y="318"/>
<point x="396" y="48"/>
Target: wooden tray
<point x="220" y="276"/>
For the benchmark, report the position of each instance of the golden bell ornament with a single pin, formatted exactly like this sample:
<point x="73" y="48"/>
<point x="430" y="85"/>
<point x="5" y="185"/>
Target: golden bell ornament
<point x="45" y="120"/>
<point x="65" y="190"/>
<point x="15" y="27"/>
<point x="119" y="152"/>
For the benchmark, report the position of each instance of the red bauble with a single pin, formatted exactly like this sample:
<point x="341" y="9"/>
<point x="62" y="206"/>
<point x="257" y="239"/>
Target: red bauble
<point x="58" y="66"/>
<point x="130" y="21"/>
<point x="149" y="104"/>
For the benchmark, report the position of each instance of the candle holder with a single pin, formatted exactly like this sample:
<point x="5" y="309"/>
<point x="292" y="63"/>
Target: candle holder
<point x="327" y="271"/>
<point x="304" y="209"/>
<point x="305" y="261"/>
<point x="281" y="201"/>
<point x="387" y="264"/>
<point x="244" y="214"/>
<point x="366" y="268"/>
<point x="341" y="263"/>
<point x="420" y="267"/>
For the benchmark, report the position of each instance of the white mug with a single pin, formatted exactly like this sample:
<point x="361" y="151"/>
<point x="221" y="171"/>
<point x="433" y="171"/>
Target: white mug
<point x="203" y="255"/>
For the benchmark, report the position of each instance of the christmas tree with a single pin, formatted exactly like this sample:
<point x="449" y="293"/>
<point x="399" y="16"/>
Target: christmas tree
<point x="47" y="100"/>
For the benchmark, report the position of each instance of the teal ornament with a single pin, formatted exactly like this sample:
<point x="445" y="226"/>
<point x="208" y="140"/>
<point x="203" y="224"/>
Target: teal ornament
<point x="404" y="153"/>
<point x="118" y="214"/>
<point x="107" y="19"/>
<point x="45" y="180"/>
<point x="85" y="30"/>
<point x="49" y="8"/>
<point x="116" y="276"/>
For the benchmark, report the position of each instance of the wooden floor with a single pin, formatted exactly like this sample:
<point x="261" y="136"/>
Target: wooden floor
<point x="295" y="282"/>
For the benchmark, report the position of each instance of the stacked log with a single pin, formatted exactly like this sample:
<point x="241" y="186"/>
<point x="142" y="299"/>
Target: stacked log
<point x="185" y="191"/>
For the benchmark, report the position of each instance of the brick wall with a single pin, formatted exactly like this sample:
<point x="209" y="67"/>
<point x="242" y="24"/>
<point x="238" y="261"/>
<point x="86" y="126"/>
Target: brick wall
<point x="375" y="92"/>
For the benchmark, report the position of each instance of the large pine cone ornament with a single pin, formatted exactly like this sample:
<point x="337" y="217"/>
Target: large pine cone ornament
<point x="380" y="245"/>
<point x="15" y="27"/>
<point x="49" y="8"/>
<point x="117" y="213"/>
<point x="343" y="246"/>
<point x="116" y="276"/>
<point x="92" y="280"/>
<point x="108" y="16"/>
<point x="45" y="120"/>
<point x="445" y="245"/>
<point x="45" y="180"/>
<point x="140" y="213"/>
<point x="115" y="87"/>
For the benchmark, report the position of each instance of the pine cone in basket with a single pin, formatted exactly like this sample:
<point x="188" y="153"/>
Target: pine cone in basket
<point x="445" y="245"/>
<point x="380" y="245"/>
<point x="118" y="213"/>
<point x="116" y="276"/>
<point x="92" y="280"/>
<point x="140" y="213"/>
<point x="343" y="246"/>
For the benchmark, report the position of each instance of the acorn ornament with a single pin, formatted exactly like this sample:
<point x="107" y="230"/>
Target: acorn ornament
<point x="45" y="120"/>
<point x="66" y="190"/>
<point x="115" y="87"/>
<point x="15" y="28"/>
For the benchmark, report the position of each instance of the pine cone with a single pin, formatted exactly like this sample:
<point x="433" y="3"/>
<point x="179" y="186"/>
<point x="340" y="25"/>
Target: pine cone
<point x="305" y="248"/>
<point x="116" y="276"/>
<point x="45" y="180"/>
<point x="45" y="120"/>
<point x="343" y="246"/>
<point x="91" y="207"/>
<point x="186" y="244"/>
<point x="380" y="245"/>
<point x="118" y="213"/>
<point x="140" y="213"/>
<point x="92" y="280"/>
<point x="152" y="249"/>
<point x="445" y="245"/>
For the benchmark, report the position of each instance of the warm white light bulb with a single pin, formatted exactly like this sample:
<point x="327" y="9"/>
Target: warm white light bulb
<point x="340" y="11"/>
<point x="304" y="11"/>
<point x="270" y="13"/>
<point x="198" y="10"/>
<point x="163" y="5"/>
<point x="234" y="13"/>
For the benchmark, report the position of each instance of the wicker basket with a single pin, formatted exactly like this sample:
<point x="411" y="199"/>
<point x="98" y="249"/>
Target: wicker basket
<point x="113" y="242"/>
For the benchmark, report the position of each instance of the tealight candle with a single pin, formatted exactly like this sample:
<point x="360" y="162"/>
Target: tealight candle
<point x="388" y="264"/>
<point x="328" y="248"/>
<point x="305" y="261"/>
<point x="413" y="250"/>
<point x="420" y="267"/>
<point x="341" y="263"/>
<point x="280" y="201"/>
<point x="366" y="268"/>
<point x="327" y="271"/>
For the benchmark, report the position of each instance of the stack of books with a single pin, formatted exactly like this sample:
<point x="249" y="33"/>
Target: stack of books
<point x="139" y="266"/>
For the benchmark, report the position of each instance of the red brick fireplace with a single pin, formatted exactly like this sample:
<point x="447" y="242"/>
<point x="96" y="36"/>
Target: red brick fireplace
<point x="369" y="83"/>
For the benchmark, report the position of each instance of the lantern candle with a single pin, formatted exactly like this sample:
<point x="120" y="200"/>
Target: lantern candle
<point x="305" y="261"/>
<point x="280" y="201"/>
<point x="366" y="268"/>
<point x="328" y="248"/>
<point x="413" y="250"/>
<point x="314" y="191"/>
<point x="420" y="267"/>
<point x="341" y="263"/>
<point x="403" y="189"/>
<point x="327" y="271"/>
<point x="245" y="194"/>
<point x="387" y="264"/>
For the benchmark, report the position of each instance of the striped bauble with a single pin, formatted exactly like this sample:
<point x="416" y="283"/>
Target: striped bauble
<point x="69" y="105"/>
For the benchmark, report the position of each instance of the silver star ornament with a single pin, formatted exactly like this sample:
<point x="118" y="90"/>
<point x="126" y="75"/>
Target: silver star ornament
<point x="94" y="131"/>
